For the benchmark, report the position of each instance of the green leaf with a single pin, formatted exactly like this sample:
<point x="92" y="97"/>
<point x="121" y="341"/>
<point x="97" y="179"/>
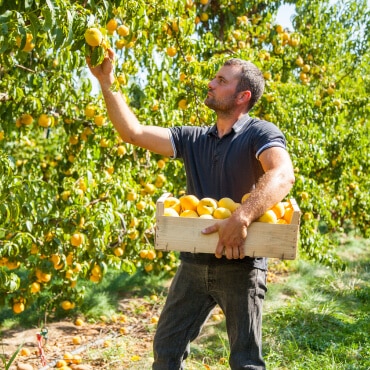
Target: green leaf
<point x="29" y="225"/>
<point x="48" y="19"/>
<point x="97" y="56"/>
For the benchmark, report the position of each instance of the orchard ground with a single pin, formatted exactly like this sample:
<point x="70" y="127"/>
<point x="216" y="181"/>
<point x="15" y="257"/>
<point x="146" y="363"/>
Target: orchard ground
<point x="314" y="317"/>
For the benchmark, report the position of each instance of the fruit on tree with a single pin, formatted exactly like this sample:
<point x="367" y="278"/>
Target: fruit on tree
<point x="35" y="287"/>
<point x="18" y="307"/>
<point x="123" y="30"/>
<point x="93" y="36"/>
<point x="67" y="305"/>
<point x="112" y="25"/>
<point x="171" y="51"/>
<point x="44" y="120"/>
<point x="29" y="45"/>
<point x="77" y="239"/>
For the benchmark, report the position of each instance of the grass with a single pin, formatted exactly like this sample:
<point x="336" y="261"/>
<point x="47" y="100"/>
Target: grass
<point x="314" y="317"/>
<point x="324" y="323"/>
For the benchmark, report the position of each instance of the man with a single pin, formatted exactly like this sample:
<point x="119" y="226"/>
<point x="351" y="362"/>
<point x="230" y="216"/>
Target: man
<point x="239" y="154"/>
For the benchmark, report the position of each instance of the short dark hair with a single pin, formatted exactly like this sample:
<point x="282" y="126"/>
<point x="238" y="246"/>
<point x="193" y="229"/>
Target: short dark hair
<point x="251" y="78"/>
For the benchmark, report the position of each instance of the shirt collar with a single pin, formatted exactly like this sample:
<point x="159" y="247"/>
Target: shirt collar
<point x="237" y="126"/>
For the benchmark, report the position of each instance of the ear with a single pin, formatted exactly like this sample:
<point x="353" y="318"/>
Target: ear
<point x="244" y="97"/>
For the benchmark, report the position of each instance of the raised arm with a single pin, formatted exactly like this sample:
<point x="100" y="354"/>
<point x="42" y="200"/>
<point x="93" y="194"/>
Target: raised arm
<point x="154" y="138"/>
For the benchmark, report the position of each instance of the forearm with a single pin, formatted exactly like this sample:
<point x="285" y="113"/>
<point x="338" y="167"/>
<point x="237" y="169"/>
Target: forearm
<point x="272" y="187"/>
<point x="123" y="119"/>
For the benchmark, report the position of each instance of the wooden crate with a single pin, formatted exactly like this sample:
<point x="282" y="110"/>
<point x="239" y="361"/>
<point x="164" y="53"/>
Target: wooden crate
<point x="263" y="239"/>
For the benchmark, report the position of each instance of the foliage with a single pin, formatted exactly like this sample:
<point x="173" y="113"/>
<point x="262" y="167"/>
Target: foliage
<point x="74" y="198"/>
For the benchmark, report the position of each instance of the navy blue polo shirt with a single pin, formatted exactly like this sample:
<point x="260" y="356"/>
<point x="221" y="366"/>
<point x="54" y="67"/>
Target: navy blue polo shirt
<point x="224" y="167"/>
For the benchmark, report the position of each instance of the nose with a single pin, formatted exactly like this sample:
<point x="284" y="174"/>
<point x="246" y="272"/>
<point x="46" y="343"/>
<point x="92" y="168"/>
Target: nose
<point x="211" y="84"/>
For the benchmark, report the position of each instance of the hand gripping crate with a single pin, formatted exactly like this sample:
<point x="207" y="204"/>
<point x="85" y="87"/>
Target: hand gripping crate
<point x="263" y="239"/>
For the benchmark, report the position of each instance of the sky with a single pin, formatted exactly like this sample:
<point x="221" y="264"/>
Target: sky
<point x="284" y="14"/>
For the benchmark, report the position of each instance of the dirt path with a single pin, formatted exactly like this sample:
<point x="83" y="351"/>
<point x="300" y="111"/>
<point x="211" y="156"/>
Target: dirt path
<point x="133" y="326"/>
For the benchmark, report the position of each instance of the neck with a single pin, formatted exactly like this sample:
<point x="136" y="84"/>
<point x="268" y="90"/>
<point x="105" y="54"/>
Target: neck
<point x="225" y="123"/>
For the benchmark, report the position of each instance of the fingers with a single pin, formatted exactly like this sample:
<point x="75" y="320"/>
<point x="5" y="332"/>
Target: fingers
<point x="219" y="250"/>
<point x="111" y="54"/>
<point x="210" y="229"/>
<point x="236" y="252"/>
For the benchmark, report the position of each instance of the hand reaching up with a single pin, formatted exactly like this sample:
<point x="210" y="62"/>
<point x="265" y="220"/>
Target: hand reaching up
<point x="104" y="71"/>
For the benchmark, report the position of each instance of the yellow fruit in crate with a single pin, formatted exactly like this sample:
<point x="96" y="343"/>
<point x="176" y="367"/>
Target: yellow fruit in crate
<point x="281" y="221"/>
<point x="171" y="212"/>
<point x="269" y="217"/>
<point x="228" y="203"/>
<point x="279" y="210"/>
<point x="209" y="217"/>
<point x="189" y="202"/>
<point x="288" y="214"/>
<point x="245" y="197"/>
<point x="172" y="202"/>
<point x="221" y="213"/>
<point x="206" y="206"/>
<point x="189" y="213"/>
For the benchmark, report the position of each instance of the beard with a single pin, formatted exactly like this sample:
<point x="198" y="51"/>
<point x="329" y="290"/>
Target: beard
<point x="220" y="105"/>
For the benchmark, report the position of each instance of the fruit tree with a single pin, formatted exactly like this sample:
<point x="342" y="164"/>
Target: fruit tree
<point x="74" y="198"/>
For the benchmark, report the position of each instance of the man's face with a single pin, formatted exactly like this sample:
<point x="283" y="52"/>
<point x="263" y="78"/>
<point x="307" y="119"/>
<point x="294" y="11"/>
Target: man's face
<point x="222" y="90"/>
